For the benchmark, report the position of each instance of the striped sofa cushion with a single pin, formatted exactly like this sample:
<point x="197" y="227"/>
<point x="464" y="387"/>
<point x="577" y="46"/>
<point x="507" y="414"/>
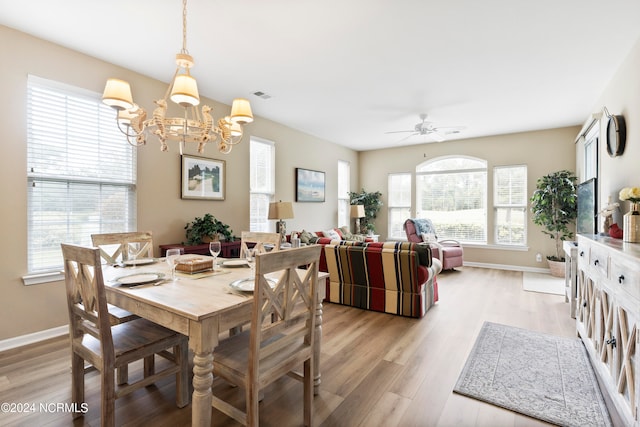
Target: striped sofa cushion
<point x="384" y="277"/>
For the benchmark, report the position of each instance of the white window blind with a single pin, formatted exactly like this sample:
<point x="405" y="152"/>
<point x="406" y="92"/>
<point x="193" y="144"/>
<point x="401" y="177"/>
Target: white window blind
<point x="510" y="204"/>
<point x="399" y="204"/>
<point x="344" y="184"/>
<point x="80" y="171"/>
<point x="452" y="192"/>
<point x="262" y="173"/>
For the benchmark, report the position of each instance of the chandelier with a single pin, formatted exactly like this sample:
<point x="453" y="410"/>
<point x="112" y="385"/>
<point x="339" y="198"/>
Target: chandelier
<point x="194" y="126"/>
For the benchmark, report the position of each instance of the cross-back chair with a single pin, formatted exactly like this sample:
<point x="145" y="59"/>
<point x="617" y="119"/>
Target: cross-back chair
<point x="281" y="337"/>
<point x="260" y="239"/>
<point x="118" y="247"/>
<point x="107" y="347"/>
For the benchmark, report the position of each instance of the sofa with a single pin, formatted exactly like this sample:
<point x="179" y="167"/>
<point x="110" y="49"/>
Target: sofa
<point x="389" y="277"/>
<point x="449" y="252"/>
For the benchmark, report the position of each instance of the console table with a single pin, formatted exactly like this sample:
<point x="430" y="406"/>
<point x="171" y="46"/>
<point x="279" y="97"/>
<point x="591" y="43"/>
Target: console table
<point x="608" y="318"/>
<point x="228" y="249"/>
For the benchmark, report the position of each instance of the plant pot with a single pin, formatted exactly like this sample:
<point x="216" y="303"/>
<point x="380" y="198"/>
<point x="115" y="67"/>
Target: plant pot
<point x="557" y="268"/>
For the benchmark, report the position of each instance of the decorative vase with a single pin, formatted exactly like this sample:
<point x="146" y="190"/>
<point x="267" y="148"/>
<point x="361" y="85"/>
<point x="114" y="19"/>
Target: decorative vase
<point x="631" y="224"/>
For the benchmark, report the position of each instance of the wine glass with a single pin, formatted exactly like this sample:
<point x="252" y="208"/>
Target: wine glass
<point x="250" y="256"/>
<point x="171" y="258"/>
<point x="214" y="248"/>
<point x="134" y="249"/>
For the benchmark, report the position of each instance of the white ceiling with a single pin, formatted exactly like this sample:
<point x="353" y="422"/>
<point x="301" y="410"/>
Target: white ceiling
<point x="350" y="70"/>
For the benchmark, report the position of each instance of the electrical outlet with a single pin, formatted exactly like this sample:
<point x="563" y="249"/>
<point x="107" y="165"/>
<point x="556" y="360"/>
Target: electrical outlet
<point x="538" y="257"/>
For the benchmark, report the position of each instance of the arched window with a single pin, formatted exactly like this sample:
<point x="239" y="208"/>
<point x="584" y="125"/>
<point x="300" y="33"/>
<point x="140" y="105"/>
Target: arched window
<point x="452" y="192"/>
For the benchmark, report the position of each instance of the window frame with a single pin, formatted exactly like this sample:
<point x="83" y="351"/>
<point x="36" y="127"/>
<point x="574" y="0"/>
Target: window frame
<point x="402" y="208"/>
<point x="265" y="193"/>
<point x="60" y="119"/>
<point x="344" y="199"/>
<point x="510" y="206"/>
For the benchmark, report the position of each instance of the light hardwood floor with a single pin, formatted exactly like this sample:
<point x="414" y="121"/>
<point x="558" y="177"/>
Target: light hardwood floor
<point x="378" y="369"/>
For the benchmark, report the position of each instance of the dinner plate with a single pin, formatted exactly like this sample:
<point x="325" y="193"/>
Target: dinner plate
<point x="141" y="261"/>
<point x="247" y="285"/>
<point x="138" y="278"/>
<point x="235" y="263"/>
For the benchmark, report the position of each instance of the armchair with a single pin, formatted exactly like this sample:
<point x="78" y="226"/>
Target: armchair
<point x="449" y="252"/>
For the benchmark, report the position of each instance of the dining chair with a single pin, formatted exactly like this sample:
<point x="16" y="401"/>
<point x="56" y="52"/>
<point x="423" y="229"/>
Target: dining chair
<point x="108" y="347"/>
<point x="114" y="249"/>
<point x="260" y="239"/>
<point x="118" y="247"/>
<point x="281" y="337"/>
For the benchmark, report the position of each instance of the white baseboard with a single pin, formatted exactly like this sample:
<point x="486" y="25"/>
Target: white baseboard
<point x="507" y="267"/>
<point x="23" y="340"/>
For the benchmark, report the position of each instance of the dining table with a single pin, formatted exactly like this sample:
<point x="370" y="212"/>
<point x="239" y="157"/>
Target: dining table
<point x="202" y="306"/>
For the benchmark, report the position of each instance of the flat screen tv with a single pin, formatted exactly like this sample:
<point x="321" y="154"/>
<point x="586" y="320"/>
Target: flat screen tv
<point x="586" y="222"/>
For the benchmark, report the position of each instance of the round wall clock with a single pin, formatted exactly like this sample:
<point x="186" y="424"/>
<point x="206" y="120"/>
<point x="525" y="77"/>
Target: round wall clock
<point x="616" y="135"/>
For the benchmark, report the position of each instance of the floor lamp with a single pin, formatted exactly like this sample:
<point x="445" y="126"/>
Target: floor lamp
<point x="280" y="211"/>
<point x="357" y="212"/>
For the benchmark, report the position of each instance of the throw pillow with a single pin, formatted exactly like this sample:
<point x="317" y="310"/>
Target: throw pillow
<point x="305" y="236"/>
<point x="332" y="234"/>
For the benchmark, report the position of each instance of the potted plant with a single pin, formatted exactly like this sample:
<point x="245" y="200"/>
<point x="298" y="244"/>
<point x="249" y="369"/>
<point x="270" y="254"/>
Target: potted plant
<point x="207" y="228"/>
<point x="372" y="204"/>
<point x="554" y="206"/>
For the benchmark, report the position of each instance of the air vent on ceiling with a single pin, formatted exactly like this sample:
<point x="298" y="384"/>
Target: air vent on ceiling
<point x="261" y="94"/>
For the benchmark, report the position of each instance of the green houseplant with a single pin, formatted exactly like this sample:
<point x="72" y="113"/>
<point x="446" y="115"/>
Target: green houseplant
<point x="372" y="205"/>
<point x="205" y="229"/>
<point x="554" y="207"/>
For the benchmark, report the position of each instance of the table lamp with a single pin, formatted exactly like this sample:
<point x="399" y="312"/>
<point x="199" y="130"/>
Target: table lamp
<point x="357" y="212"/>
<point x="281" y="210"/>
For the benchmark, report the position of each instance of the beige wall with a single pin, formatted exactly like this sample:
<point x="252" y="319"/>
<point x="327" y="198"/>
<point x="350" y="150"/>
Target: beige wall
<point x="621" y="96"/>
<point x="542" y="151"/>
<point x="28" y="309"/>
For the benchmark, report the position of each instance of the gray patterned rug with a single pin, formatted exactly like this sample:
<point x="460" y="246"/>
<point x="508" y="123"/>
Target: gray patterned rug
<point x="535" y="374"/>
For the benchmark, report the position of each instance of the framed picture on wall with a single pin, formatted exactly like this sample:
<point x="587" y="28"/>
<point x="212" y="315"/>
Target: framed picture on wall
<point x="203" y="178"/>
<point x="309" y="185"/>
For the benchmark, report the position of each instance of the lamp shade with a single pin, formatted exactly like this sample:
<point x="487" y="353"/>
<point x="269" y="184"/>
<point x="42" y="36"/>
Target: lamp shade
<point x="117" y="94"/>
<point x="241" y="111"/>
<point x="185" y="91"/>
<point x="357" y="211"/>
<point x="280" y="210"/>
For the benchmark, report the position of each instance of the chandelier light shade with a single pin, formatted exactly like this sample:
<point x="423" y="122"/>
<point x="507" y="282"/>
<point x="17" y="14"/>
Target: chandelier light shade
<point x="280" y="211"/>
<point x="194" y="125"/>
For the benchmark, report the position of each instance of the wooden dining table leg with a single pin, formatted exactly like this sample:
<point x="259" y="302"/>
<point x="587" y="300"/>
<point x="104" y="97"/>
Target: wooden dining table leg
<point x="203" y="338"/>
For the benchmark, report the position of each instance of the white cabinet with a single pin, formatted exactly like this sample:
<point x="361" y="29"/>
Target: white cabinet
<point x="608" y="318"/>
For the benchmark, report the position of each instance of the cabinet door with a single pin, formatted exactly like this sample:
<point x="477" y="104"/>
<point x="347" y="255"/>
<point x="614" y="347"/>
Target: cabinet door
<point x="626" y="356"/>
<point x="607" y="337"/>
<point x="588" y="305"/>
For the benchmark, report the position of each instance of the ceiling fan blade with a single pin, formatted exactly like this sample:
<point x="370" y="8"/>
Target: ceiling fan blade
<point x="401" y="131"/>
<point x="407" y="137"/>
<point x="437" y="136"/>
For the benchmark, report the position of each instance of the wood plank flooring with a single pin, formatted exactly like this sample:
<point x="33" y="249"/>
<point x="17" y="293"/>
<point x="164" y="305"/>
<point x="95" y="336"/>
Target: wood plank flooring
<point x="378" y="369"/>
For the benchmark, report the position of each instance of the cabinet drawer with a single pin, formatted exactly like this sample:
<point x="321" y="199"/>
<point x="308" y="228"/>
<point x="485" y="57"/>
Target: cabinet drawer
<point x="599" y="261"/>
<point x="627" y="276"/>
<point x="583" y="256"/>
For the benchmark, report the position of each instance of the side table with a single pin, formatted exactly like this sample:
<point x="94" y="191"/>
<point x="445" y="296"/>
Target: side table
<point x="228" y="249"/>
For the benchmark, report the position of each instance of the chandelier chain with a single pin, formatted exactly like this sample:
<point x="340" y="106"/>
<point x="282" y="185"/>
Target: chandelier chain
<point x="184" y="27"/>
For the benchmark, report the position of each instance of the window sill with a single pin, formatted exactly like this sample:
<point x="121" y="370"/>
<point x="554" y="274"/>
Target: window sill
<point x="47" y="277"/>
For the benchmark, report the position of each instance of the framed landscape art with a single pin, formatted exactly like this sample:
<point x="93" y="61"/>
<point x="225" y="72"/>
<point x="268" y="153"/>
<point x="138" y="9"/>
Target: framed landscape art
<point x="203" y="178"/>
<point x="309" y="185"/>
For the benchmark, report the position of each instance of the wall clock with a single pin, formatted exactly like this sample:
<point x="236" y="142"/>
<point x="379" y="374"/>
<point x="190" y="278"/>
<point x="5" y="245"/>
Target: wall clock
<point x="616" y="134"/>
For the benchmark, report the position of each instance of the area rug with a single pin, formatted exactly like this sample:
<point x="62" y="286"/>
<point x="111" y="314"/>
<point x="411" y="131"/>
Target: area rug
<point x="535" y="374"/>
<point x="545" y="283"/>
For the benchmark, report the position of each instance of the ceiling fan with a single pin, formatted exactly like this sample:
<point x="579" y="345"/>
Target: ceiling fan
<point x="427" y="128"/>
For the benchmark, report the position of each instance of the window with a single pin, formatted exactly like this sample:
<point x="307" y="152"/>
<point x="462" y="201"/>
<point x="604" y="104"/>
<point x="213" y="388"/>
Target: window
<point x="262" y="177"/>
<point x="452" y="192"/>
<point x="81" y="172"/>
<point x="399" y="204"/>
<point x="344" y="185"/>
<point x="510" y="204"/>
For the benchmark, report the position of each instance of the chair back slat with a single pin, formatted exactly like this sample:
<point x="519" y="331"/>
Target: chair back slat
<point x="283" y="318"/>
<point x="260" y="239"/>
<point x="86" y="298"/>
<point x="118" y="247"/>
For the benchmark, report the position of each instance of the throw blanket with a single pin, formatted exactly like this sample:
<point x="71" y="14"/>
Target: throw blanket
<point x="424" y="226"/>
